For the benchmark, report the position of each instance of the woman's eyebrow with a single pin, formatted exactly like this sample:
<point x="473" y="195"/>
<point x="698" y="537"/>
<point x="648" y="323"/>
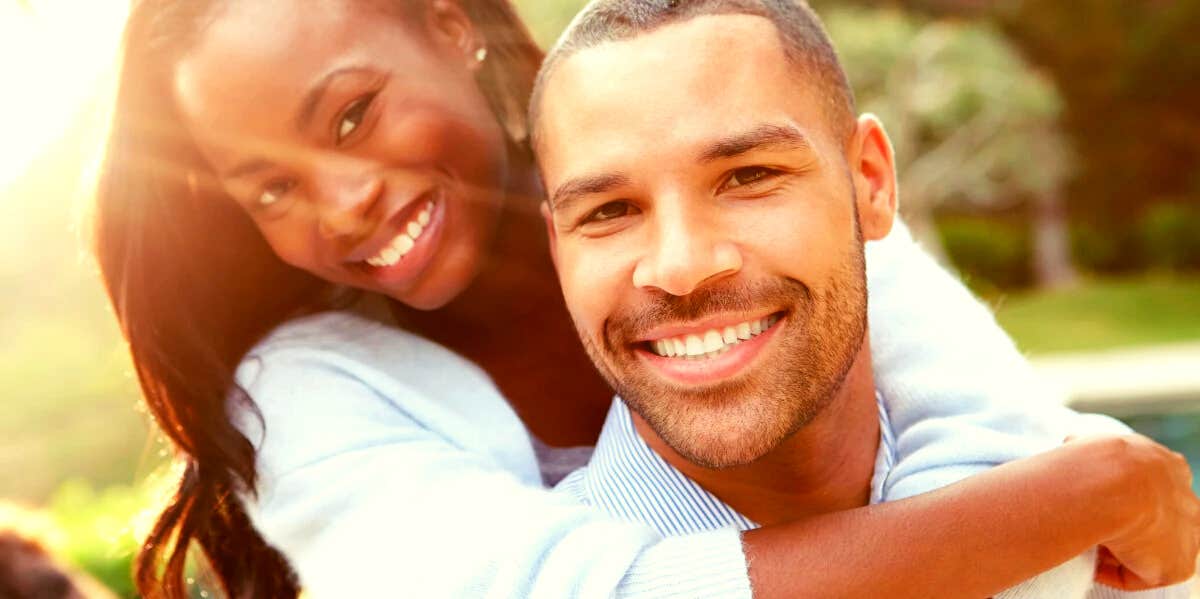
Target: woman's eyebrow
<point x="248" y="167"/>
<point x="312" y="99"/>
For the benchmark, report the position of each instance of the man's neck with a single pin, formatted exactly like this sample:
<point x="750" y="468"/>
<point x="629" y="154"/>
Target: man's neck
<point x="825" y="467"/>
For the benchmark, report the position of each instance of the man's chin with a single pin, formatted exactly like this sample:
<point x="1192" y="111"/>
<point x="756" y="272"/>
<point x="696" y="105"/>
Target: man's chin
<point x="720" y="454"/>
<point x="717" y="434"/>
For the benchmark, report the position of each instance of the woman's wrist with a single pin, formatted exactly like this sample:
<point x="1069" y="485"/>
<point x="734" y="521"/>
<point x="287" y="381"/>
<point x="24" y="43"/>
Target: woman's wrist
<point x="1116" y="484"/>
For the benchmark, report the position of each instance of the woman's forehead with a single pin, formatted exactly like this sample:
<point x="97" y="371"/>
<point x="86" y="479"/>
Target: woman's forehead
<point x="247" y="38"/>
<point x="248" y="75"/>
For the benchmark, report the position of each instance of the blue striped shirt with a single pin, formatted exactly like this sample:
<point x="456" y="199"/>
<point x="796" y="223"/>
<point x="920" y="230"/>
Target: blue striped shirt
<point x="628" y="479"/>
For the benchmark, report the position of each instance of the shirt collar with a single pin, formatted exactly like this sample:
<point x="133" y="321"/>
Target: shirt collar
<point x="628" y="479"/>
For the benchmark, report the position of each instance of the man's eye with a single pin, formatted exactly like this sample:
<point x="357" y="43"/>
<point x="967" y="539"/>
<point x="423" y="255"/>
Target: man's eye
<point x="352" y="117"/>
<point x="609" y="211"/>
<point x="748" y="175"/>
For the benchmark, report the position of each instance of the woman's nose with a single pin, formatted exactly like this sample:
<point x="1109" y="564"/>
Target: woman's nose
<point x="344" y="202"/>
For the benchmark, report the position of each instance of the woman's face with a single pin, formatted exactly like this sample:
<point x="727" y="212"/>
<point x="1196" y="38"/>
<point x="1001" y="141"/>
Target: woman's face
<point x="359" y="143"/>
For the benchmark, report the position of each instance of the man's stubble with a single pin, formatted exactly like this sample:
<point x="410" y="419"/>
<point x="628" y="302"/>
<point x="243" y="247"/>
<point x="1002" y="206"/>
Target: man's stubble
<point x="736" y="422"/>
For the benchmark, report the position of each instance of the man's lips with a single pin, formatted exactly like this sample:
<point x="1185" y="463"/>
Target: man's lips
<point x="705" y="360"/>
<point x="700" y="327"/>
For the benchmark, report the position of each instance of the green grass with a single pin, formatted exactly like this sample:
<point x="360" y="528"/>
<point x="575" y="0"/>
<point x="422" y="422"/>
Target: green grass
<point x="1103" y="314"/>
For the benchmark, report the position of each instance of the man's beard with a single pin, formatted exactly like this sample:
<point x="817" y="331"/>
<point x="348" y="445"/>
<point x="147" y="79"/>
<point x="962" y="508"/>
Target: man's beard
<point x="737" y="421"/>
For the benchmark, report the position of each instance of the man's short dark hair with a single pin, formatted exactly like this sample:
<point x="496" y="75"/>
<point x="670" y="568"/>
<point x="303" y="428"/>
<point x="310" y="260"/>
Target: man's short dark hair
<point x="804" y="41"/>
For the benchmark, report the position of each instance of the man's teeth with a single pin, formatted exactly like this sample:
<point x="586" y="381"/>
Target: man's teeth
<point x="712" y="342"/>
<point x="404" y="242"/>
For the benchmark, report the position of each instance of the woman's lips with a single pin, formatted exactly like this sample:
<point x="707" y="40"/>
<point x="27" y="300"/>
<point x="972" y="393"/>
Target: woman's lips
<point x="417" y="233"/>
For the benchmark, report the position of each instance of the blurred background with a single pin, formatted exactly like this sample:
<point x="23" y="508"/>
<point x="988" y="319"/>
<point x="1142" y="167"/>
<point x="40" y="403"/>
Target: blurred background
<point x="1048" y="151"/>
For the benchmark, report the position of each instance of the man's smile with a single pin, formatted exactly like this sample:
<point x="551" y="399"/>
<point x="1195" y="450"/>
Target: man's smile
<point x="709" y="352"/>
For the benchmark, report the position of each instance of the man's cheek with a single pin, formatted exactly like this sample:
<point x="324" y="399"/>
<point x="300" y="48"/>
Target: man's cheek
<point x="590" y="296"/>
<point x="574" y="283"/>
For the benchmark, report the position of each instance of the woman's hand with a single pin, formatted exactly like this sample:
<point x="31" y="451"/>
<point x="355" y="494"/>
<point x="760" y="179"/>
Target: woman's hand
<point x="1157" y="537"/>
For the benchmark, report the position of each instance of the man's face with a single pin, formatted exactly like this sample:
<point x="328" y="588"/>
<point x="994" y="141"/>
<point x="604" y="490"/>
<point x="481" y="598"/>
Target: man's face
<point x="703" y="220"/>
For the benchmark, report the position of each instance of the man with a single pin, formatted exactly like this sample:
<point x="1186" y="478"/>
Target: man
<point x="710" y="192"/>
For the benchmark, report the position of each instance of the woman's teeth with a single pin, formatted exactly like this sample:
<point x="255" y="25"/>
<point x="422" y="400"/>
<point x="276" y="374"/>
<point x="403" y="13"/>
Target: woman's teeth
<point x="404" y="242"/>
<point x="712" y="342"/>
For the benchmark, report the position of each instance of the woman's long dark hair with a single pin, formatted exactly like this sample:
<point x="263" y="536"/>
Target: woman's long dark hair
<point x="195" y="286"/>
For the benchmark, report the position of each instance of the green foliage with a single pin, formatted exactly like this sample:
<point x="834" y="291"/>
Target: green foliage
<point x="1129" y="74"/>
<point x="1105" y="250"/>
<point x="989" y="254"/>
<point x="103" y="527"/>
<point x="971" y="121"/>
<point x="547" y="18"/>
<point x="1166" y="237"/>
<point x="1103" y="313"/>
<point x="1170" y="236"/>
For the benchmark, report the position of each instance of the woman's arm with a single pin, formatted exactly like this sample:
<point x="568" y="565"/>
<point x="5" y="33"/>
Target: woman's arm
<point x="977" y="537"/>
<point x="960" y="397"/>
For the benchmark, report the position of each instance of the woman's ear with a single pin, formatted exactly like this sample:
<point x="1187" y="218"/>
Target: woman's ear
<point x="449" y="25"/>
<point x="873" y="167"/>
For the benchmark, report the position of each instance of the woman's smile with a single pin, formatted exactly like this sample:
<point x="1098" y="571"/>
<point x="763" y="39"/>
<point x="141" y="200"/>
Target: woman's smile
<point x="404" y="246"/>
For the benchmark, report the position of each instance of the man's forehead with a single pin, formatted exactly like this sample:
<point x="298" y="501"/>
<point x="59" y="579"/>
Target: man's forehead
<point x="695" y="52"/>
<point x="686" y="82"/>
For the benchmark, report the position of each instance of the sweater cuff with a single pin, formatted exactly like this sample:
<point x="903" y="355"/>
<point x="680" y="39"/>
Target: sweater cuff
<point x="701" y="565"/>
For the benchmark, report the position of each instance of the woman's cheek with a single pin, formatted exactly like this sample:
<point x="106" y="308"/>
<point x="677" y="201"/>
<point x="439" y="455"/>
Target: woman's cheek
<point x="294" y="248"/>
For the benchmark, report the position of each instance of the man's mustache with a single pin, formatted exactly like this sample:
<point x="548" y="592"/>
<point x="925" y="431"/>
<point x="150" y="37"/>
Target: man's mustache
<point x="630" y="321"/>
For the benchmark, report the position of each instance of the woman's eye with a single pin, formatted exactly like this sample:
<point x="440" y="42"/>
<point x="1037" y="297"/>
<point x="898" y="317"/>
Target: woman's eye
<point x="272" y="193"/>
<point x="748" y="175"/>
<point x="608" y="212"/>
<point x="352" y="117"/>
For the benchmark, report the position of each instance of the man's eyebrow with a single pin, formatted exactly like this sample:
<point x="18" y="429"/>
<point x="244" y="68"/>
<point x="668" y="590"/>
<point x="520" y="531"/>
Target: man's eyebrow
<point x="579" y="187"/>
<point x="760" y="138"/>
<point x="312" y="99"/>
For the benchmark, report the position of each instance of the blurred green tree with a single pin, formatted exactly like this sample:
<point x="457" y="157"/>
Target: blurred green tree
<point x="1129" y="72"/>
<point x="971" y="121"/>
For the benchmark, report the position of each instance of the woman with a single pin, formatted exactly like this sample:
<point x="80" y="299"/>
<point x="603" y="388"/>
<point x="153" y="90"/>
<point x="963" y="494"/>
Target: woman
<point x="380" y="146"/>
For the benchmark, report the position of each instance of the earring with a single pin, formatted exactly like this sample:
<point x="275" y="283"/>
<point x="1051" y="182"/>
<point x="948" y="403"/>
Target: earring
<point x="481" y="54"/>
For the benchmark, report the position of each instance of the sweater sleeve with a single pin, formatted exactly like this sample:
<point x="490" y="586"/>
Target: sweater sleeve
<point x="960" y="397"/>
<point x="374" y="487"/>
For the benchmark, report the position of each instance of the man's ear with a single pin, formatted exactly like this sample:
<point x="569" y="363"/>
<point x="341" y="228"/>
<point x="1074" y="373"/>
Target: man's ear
<point x="873" y="168"/>
<point x="450" y="26"/>
<point x="551" y="233"/>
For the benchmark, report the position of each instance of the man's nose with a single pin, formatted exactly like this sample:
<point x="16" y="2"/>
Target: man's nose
<point x="690" y="249"/>
<point x="344" y="200"/>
